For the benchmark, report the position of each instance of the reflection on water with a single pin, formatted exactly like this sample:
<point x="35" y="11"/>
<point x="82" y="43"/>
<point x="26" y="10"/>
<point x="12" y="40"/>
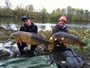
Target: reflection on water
<point x="46" y="26"/>
<point x="16" y="24"/>
<point x="79" y="26"/>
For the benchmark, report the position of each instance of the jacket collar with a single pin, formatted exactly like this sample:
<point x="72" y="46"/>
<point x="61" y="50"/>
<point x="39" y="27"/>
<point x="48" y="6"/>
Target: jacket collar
<point x="61" y="27"/>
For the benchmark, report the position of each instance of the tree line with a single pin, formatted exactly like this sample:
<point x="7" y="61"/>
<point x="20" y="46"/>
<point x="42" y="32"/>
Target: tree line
<point x="73" y="14"/>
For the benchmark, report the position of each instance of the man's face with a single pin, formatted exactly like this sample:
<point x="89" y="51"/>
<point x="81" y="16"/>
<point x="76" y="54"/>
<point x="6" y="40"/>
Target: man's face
<point x="61" y="23"/>
<point x="27" y="21"/>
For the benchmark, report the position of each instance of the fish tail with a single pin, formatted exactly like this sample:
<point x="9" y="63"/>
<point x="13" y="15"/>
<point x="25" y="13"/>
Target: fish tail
<point x="51" y="43"/>
<point x="82" y="45"/>
<point x="46" y="46"/>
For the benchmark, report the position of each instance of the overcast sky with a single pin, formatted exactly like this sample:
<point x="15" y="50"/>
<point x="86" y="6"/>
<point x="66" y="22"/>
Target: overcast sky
<point x="50" y="4"/>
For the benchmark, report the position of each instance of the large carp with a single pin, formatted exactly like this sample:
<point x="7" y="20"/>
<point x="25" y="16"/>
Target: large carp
<point x="66" y="38"/>
<point x="28" y="38"/>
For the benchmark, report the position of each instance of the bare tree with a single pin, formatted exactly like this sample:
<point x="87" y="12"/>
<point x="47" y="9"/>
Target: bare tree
<point x="8" y="4"/>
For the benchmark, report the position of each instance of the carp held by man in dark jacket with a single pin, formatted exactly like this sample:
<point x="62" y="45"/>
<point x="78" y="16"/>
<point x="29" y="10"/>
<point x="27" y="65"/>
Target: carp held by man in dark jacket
<point x="29" y="38"/>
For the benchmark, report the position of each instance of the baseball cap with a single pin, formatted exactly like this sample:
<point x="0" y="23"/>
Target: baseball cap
<point x="25" y="17"/>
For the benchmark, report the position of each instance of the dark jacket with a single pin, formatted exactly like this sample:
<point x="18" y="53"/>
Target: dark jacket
<point x="59" y="46"/>
<point x="57" y="28"/>
<point x="32" y="28"/>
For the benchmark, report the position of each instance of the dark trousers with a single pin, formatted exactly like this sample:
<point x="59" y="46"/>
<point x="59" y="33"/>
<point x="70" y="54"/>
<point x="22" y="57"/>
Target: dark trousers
<point x="21" y="47"/>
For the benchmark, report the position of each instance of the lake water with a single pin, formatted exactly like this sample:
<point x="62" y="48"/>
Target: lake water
<point x="9" y="23"/>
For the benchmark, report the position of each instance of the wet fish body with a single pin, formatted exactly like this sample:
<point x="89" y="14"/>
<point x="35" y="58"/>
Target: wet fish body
<point x="29" y="38"/>
<point x="68" y="39"/>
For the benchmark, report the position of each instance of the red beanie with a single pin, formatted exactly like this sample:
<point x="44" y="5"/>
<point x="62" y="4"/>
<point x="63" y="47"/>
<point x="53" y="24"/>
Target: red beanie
<point x="63" y="18"/>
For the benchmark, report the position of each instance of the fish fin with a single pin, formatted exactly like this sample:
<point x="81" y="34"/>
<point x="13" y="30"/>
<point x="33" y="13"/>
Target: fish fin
<point x="18" y="41"/>
<point x="46" y="46"/>
<point x="29" y="46"/>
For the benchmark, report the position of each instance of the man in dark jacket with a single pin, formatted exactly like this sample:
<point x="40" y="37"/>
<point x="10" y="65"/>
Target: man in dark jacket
<point x="63" y="56"/>
<point x="28" y="27"/>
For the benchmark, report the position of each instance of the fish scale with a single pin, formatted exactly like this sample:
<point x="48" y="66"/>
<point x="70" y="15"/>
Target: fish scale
<point x="68" y="39"/>
<point x="29" y="38"/>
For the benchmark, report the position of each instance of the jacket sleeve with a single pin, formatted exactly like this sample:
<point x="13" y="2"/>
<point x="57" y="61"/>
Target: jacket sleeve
<point x="22" y="28"/>
<point x="54" y="30"/>
<point x="66" y="30"/>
